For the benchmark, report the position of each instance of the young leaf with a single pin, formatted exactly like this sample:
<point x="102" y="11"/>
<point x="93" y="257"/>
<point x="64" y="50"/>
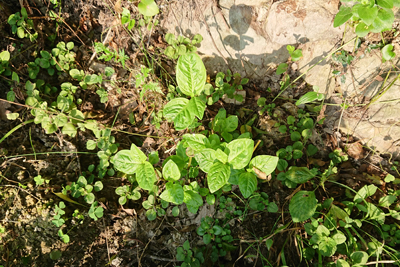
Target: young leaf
<point x="364" y="192"/>
<point x="127" y="161"/>
<point x="191" y="74"/>
<point x="240" y="152"/>
<point x="387" y="52"/>
<point x="385" y="3"/>
<point x="196" y="107"/>
<point x="145" y="175"/>
<point x="383" y="20"/>
<point x="125" y="16"/>
<point x="148" y="8"/>
<point x="247" y="184"/>
<point x="302" y="206"/>
<point x="299" y="175"/>
<point x="367" y="14"/>
<point x="196" y="142"/>
<point x="342" y="16"/>
<point x="174" y="107"/>
<point x="281" y="68"/>
<point x="171" y="171"/>
<point x="265" y="163"/>
<point x="192" y="199"/>
<point x="205" y="158"/>
<point x="173" y="193"/>
<point x="218" y="176"/>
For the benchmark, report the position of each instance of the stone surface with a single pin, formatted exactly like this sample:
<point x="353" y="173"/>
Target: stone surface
<point x="246" y="33"/>
<point x="309" y="20"/>
<point x="321" y="74"/>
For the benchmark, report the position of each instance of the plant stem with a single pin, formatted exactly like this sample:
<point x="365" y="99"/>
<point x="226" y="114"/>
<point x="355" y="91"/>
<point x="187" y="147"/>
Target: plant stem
<point x="14" y="129"/>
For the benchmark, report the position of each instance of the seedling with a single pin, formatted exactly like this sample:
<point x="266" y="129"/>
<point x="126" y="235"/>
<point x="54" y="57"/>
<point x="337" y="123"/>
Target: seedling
<point x="190" y="258"/>
<point x="21" y="25"/>
<point x="181" y="45"/>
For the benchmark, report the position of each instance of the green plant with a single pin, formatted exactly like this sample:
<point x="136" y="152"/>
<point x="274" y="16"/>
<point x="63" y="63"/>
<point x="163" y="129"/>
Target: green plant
<point x="230" y="86"/>
<point x="191" y="78"/>
<point x="190" y="258"/>
<point x="367" y="15"/>
<point x="126" y="193"/>
<point x="260" y="201"/>
<point x="181" y="45"/>
<point x="295" y="55"/>
<point x="261" y="102"/>
<point x="59" y="221"/>
<point x="4" y="60"/>
<point x="219" y="237"/>
<point x="107" y="54"/>
<point x="22" y="26"/>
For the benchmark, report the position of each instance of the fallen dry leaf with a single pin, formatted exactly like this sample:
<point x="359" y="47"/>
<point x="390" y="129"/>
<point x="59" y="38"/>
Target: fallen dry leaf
<point x="355" y="150"/>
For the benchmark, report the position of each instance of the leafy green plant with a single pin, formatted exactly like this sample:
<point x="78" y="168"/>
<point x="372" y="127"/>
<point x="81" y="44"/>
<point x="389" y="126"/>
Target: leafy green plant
<point x="191" y="78"/>
<point x="107" y="54"/>
<point x="261" y="201"/>
<point x="148" y="8"/>
<point x="225" y="85"/>
<point x="4" y="60"/>
<point x="181" y="45"/>
<point x="219" y="237"/>
<point x="261" y="102"/>
<point x="367" y="15"/>
<point x="295" y="55"/>
<point x="190" y="258"/>
<point x="126" y="193"/>
<point x="22" y="26"/>
<point x="59" y="221"/>
<point x="126" y="18"/>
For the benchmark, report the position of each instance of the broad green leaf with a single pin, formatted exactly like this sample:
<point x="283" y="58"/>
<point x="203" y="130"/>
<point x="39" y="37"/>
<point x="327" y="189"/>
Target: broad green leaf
<point x="385" y="3"/>
<point x="265" y="163"/>
<point x="307" y="98"/>
<point x="302" y="206"/>
<point x="20" y="32"/>
<point x="145" y="175"/>
<point x="342" y="263"/>
<point x="131" y="24"/>
<point x="221" y="156"/>
<point x="327" y="246"/>
<point x="363" y="29"/>
<point x="281" y="68"/>
<point x="192" y="198"/>
<point x="342" y="16"/>
<point x="171" y="171"/>
<point x="247" y="184"/>
<point x="196" y="107"/>
<point x="205" y="158"/>
<point x="367" y="14"/>
<point x="387" y="52"/>
<point x="386" y="201"/>
<point x="218" y="176"/>
<point x="359" y="258"/>
<point x="174" y="107"/>
<point x="299" y="175"/>
<point x="230" y="124"/>
<point x="197" y="142"/>
<point x="364" y="192"/>
<point x="173" y="193"/>
<point x="4" y="56"/>
<point x="383" y="21"/>
<point x="191" y="74"/>
<point x="240" y="152"/>
<point x="127" y="161"/>
<point x="339" y="237"/>
<point x="148" y="8"/>
<point x="374" y="213"/>
<point x="69" y="129"/>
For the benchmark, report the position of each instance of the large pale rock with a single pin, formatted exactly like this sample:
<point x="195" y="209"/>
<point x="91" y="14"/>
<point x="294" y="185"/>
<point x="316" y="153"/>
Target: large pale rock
<point x="361" y="76"/>
<point x="239" y="31"/>
<point x="321" y="74"/>
<point x="301" y="21"/>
